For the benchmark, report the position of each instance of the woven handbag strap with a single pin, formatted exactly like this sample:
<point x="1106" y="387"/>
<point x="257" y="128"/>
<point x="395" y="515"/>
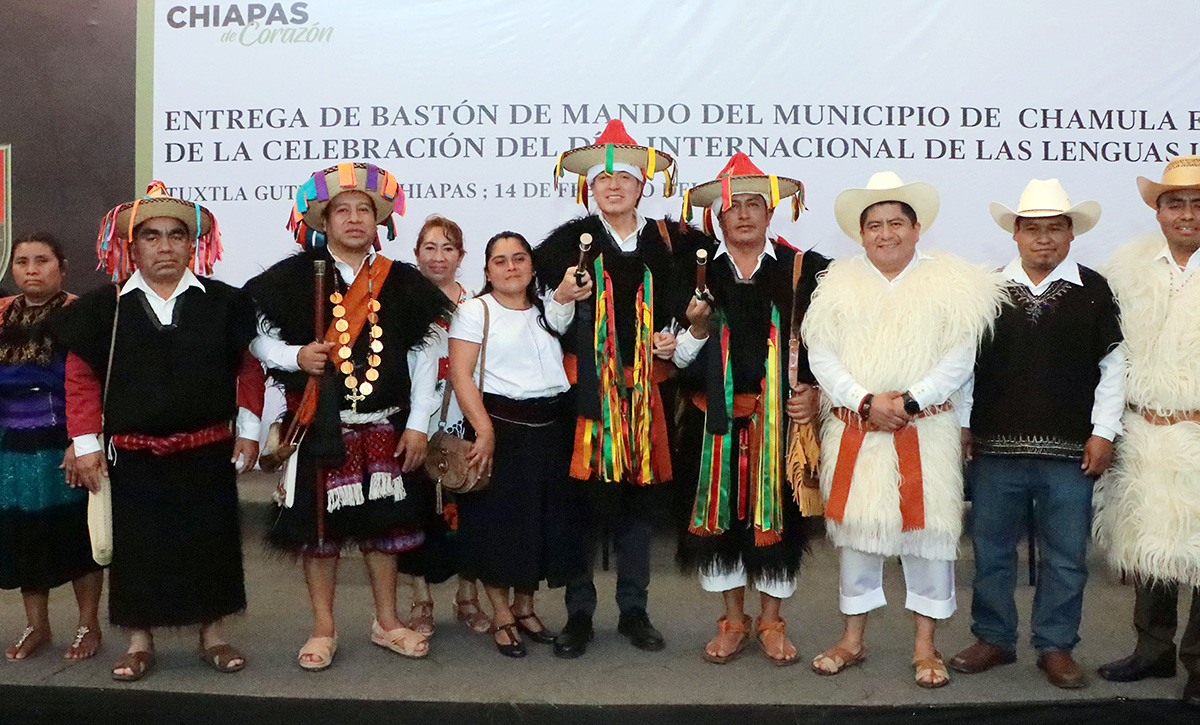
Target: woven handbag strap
<point x="487" y="320"/>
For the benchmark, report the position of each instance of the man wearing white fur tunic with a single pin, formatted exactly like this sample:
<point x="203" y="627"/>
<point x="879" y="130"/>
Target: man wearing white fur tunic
<point x="892" y="335"/>
<point x="1149" y="509"/>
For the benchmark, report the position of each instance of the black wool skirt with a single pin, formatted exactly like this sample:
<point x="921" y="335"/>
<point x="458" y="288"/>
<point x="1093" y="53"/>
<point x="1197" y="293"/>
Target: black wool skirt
<point x="528" y="526"/>
<point x="177" y="548"/>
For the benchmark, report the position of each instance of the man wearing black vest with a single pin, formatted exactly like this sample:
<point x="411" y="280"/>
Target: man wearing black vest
<point x="615" y="365"/>
<point x="1047" y="406"/>
<point x="160" y="366"/>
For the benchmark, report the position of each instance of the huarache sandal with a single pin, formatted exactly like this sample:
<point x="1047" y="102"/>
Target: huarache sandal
<point x="727" y="630"/>
<point x="839" y="658"/>
<point x="401" y="640"/>
<point x="420" y="617"/>
<point x="85" y="645"/>
<point x="17" y="652"/>
<point x="930" y="672"/>
<point x="469" y="613"/>
<point x="775" y="643"/>
<point x="221" y="657"/>
<point x="138" y="663"/>
<point x="319" y="652"/>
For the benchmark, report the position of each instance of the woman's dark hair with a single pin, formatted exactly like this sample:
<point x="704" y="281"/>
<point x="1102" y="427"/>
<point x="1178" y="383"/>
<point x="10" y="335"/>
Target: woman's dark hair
<point x="47" y="239"/>
<point x="533" y="292"/>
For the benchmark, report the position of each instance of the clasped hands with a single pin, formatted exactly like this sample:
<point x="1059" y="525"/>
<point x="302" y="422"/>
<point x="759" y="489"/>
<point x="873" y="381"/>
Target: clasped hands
<point x="887" y="412"/>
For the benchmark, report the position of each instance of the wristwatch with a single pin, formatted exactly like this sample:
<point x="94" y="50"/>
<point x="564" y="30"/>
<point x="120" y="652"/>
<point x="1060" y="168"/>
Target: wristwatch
<point x="911" y="406"/>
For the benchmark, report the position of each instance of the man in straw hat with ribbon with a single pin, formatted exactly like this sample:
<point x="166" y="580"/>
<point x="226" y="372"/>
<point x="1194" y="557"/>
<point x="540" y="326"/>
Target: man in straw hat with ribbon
<point x="612" y="273"/>
<point x="1148" y="516"/>
<point x="352" y="480"/>
<point x="747" y="380"/>
<point x="1047" y="406"/>
<point x="892" y="335"/>
<point x="160" y="366"/>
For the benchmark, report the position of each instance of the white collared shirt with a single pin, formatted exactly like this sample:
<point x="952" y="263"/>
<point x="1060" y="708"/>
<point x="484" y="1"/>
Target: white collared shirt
<point x="687" y="345"/>
<point x="269" y="347"/>
<point x="248" y="424"/>
<point x="1109" y="397"/>
<point x="1179" y="275"/>
<point x="629" y="243"/>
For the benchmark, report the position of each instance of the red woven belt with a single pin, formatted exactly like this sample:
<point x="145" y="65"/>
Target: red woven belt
<point x="174" y="443"/>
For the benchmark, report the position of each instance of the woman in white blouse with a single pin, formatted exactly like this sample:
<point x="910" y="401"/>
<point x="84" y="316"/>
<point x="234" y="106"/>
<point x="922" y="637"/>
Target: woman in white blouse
<point x="522" y="529"/>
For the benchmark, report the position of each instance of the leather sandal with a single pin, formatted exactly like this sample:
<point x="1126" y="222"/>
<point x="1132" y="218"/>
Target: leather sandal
<point x="138" y="663"/>
<point x="321" y="650"/>
<point x="924" y="667"/>
<point x="420" y="617"/>
<point x="471" y="614"/>
<point x="220" y="657"/>
<point x="401" y="640"/>
<point x="841" y="658"/>
<point x="725" y="628"/>
<point x="773" y="638"/>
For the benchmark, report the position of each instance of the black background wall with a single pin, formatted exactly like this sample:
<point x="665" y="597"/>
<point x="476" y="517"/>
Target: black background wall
<point x="67" y="107"/>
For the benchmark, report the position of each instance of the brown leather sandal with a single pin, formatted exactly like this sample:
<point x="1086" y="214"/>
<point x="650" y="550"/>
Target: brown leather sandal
<point x="725" y="628"/>
<point x="773" y="638"/>
<point x="471" y="614"/>
<point x="420" y="617"/>
<point x="139" y="665"/>
<point x="220" y="657"/>
<point x="925" y="667"/>
<point x="841" y="658"/>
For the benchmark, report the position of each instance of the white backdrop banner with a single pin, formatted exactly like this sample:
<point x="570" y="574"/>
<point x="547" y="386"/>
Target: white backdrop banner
<point x="469" y="102"/>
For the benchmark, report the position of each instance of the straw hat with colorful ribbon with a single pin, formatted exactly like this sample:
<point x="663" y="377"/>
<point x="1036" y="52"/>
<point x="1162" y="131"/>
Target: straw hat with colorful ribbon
<point x="313" y="195"/>
<point x="1047" y="198"/>
<point x="116" y="229"/>
<point x="885" y="186"/>
<point x="741" y="176"/>
<point x="1182" y="172"/>
<point x="614" y="150"/>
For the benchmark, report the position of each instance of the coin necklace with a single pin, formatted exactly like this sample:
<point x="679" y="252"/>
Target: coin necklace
<point x="358" y="390"/>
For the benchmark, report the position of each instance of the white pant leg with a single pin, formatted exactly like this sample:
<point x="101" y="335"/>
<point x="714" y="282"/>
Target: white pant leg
<point x="714" y="579"/>
<point x="930" y="585"/>
<point x="778" y="588"/>
<point x="861" y="586"/>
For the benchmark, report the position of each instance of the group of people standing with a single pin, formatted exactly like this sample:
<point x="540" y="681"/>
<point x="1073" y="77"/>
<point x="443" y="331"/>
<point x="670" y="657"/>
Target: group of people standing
<point x="775" y="386"/>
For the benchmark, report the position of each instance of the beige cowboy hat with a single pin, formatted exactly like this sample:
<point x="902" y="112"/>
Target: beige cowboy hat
<point x="1046" y="198"/>
<point x="1182" y="172"/>
<point x="885" y="186"/>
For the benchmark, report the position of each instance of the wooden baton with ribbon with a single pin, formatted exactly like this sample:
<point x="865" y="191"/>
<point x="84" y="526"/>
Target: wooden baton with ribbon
<point x="585" y="243"/>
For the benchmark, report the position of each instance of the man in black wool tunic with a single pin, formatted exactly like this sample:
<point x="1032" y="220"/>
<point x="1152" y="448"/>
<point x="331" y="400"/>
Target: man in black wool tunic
<point x="354" y="481"/>
<point x="745" y="525"/>
<point x="160" y="366"/>
<point x="615" y="316"/>
<point x="1047" y="405"/>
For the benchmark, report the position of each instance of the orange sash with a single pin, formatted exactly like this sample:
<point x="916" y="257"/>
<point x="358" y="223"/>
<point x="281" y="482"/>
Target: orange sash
<point x="355" y="302"/>
<point x="908" y="453"/>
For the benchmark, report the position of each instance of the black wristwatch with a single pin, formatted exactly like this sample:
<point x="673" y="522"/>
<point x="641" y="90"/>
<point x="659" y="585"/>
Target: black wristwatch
<point x="911" y="406"/>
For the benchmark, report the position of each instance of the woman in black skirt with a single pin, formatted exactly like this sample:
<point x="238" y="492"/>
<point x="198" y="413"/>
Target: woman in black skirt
<point x="520" y="530"/>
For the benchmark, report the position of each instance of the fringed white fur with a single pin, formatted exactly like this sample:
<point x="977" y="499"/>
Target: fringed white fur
<point x="347" y="495"/>
<point x="1162" y="333"/>
<point x="889" y="338"/>
<point x="1148" y="517"/>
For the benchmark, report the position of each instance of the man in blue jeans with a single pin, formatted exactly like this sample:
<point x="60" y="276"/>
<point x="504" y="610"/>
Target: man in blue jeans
<point x="1047" y="406"/>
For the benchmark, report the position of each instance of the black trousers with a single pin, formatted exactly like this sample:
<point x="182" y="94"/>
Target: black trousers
<point x="632" y="529"/>
<point x="1155" y="617"/>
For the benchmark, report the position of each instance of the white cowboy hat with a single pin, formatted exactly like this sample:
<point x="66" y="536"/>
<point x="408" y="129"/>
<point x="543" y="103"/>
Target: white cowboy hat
<point x="885" y="186"/>
<point x="1182" y="172"/>
<point x="1046" y="198"/>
